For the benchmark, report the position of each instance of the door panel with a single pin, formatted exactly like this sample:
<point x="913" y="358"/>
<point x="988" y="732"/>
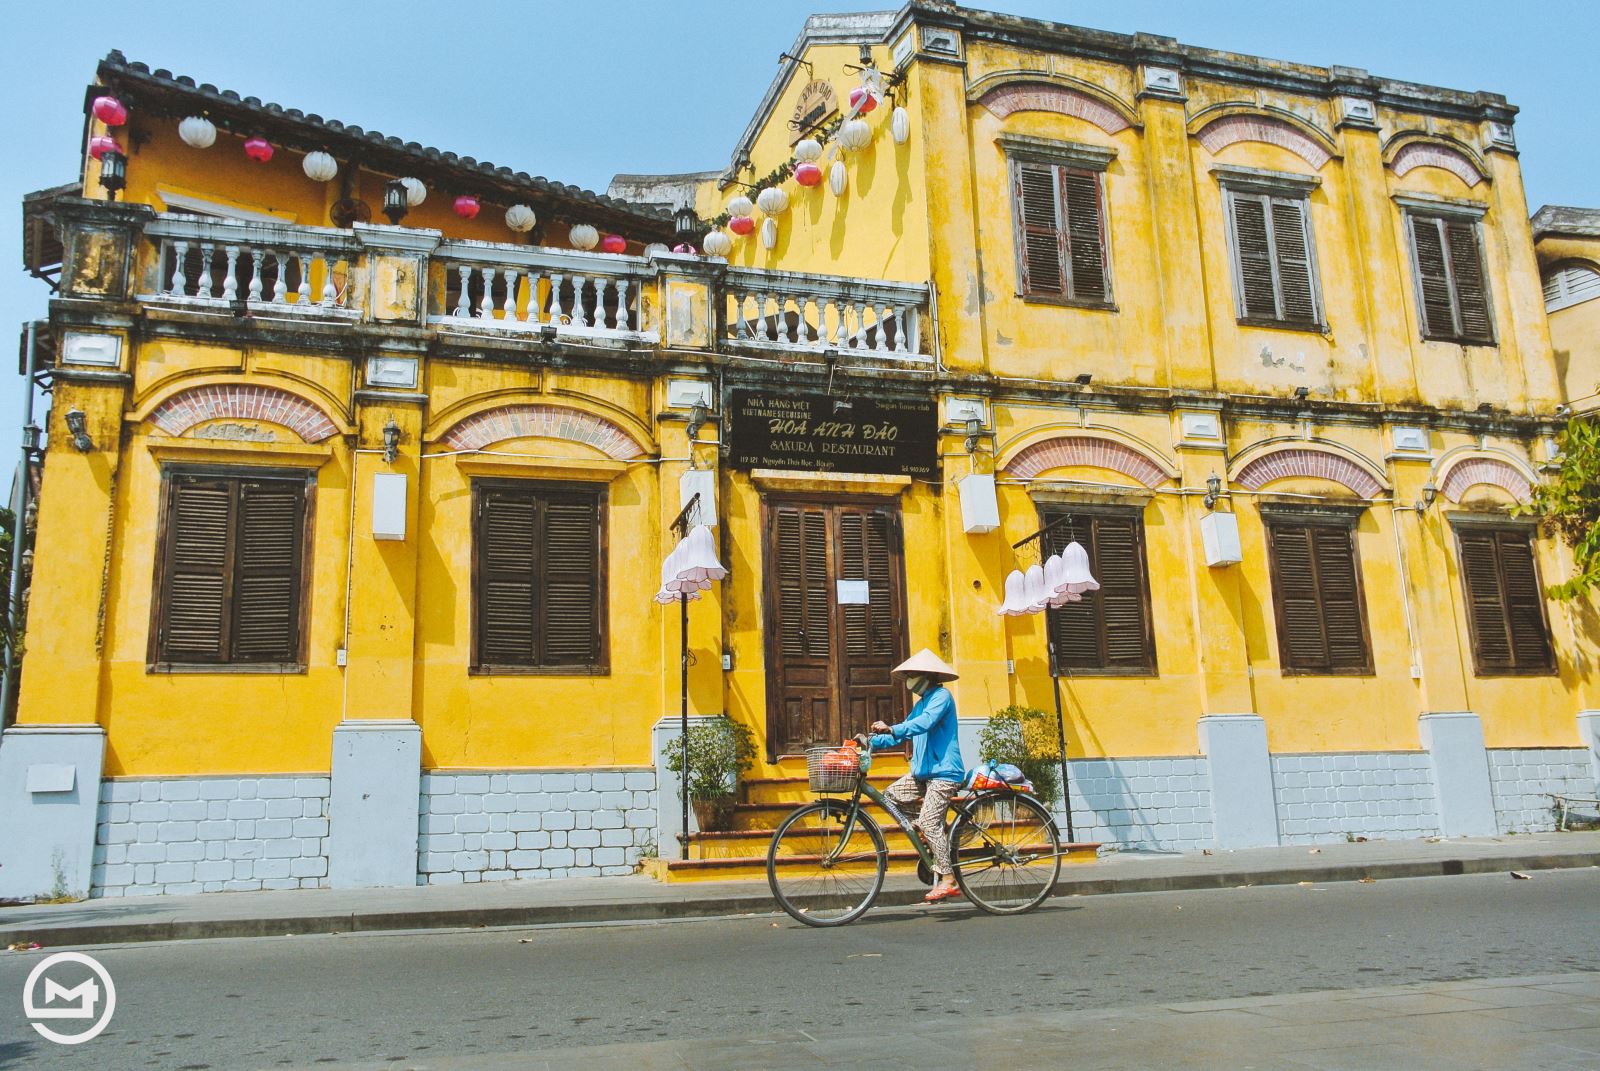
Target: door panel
<point x="829" y="663"/>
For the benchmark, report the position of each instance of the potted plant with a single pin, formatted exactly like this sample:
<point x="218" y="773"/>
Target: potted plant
<point x="720" y="750"/>
<point x="1026" y="738"/>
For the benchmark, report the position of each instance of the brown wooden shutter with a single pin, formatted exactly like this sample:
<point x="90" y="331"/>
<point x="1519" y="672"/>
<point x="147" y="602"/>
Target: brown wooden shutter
<point x="1290" y="236"/>
<point x="508" y="525"/>
<point x="1300" y="637"/>
<point x="1109" y="631"/>
<point x="196" y="570"/>
<point x="1317" y="595"/>
<point x="1258" y="292"/>
<point x="1041" y="242"/>
<point x="1530" y="637"/>
<point x="802" y="548"/>
<point x="570" y="611"/>
<point x="1080" y="196"/>
<point x="266" y="584"/>
<point x="1505" y="606"/>
<point x="1466" y="269"/>
<point x="1339" y="587"/>
<point x="1433" y="277"/>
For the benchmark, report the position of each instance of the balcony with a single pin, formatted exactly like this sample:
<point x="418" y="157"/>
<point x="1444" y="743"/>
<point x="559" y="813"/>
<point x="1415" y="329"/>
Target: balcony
<point x="270" y="268"/>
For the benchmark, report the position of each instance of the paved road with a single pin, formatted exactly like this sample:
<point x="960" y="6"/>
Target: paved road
<point x="307" y="1002"/>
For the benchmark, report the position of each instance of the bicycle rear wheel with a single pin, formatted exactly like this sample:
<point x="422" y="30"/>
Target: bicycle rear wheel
<point x="821" y="875"/>
<point x="1006" y="852"/>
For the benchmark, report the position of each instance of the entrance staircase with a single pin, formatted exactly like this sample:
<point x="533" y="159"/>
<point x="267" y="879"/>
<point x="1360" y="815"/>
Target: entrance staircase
<point x="741" y="854"/>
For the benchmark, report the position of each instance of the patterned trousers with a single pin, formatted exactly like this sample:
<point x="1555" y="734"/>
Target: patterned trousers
<point x="935" y="797"/>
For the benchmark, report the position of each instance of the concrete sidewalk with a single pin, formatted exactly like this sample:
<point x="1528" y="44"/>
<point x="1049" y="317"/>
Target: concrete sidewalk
<point x="638" y="898"/>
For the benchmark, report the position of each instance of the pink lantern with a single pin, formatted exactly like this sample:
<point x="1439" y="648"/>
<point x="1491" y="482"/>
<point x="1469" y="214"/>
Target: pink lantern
<point x="614" y="243"/>
<point x="683" y="247"/>
<point x="258" y="149"/>
<point x="466" y="206"/>
<point x="742" y="224"/>
<point x="110" y="111"/>
<point x="99" y="145"/>
<point x="862" y="100"/>
<point x="808" y="174"/>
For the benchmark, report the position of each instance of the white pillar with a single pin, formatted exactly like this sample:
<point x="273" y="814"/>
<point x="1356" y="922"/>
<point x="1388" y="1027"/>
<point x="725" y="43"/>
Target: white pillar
<point x="372" y="808"/>
<point x="49" y="802"/>
<point x="1244" y="807"/>
<point x="1454" y="741"/>
<point x="1589" y="730"/>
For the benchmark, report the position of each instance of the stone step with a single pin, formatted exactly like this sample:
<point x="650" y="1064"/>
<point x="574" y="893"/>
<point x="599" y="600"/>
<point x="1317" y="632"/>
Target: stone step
<point x="735" y="868"/>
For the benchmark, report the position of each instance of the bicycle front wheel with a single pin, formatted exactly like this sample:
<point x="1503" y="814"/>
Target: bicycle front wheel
<point x="1006" y="853"/>
<point x="825" y="869"/>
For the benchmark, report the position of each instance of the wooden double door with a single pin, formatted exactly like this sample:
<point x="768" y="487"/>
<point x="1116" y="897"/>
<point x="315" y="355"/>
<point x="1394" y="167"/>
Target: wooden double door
<point x="835" y="619"/>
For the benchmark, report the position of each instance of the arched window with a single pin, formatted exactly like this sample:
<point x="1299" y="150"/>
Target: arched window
<point x="1570" y="284"/>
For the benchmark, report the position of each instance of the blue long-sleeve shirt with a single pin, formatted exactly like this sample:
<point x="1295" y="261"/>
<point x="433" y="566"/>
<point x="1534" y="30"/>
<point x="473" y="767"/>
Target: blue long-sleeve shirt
<point x="931" y="728"/>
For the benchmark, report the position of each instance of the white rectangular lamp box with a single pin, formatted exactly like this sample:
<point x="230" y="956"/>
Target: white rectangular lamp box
<point x="980" y="510"/>
<point x="1219" y="532"/>
<point x="389" y="505"/>
<point x="702" y="482"/>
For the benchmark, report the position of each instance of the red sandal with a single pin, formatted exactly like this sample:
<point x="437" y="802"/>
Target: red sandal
<point x="941" y="894"/>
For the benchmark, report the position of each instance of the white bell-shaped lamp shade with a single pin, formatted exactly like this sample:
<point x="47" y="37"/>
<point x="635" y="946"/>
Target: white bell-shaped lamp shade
<point x="1055" y="571"/>
<point x="672" y="569"/>
<point x="1034" y="593"/>
<point x="665" y="596"/>
<point x="699" y="564"/>
<point x="1015" y="603"/>
<point x="1076" y="578"/>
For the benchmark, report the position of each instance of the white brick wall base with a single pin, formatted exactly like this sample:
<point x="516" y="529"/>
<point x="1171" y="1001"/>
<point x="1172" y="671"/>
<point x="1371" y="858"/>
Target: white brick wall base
<point x="1152" y="803"/>
<point x="1381" y="795"/>
<point x="500" y="826"/>
<point x="1523" y="780"/>
<point x="179" y="835"/>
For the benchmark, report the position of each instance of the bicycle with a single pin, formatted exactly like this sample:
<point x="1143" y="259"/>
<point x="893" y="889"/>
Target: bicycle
<point x="827" y="859"/>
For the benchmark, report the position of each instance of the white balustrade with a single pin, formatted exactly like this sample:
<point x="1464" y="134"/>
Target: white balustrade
<point x="520" y="288"/>
<point x="270" y="266"/>
<point x="788" y="310"/>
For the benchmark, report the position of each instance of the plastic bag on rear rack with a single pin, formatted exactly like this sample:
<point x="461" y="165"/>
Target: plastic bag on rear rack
<point x="996" y="775"/>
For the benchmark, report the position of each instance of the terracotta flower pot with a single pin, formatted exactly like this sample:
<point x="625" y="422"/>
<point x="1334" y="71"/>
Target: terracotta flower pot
<point x="714" y="815"/>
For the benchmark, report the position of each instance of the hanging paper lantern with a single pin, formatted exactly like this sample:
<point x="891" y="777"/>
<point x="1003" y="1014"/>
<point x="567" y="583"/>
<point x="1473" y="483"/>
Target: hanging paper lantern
<point x="1075" y="577"/>
<point x="466" y="206"/>
<point x="110" y="111"/>
<point x="197" y="132"/>
<point x="769" y="233"/>
<point x="520" y="218"/>
<point x="900" y="126"/>
<point x="773" y="201"/>
<point x="854" y="135"/>
<point x="742" y="225"/>
<point x="99" y="145"/>
<point x="416" y="192"/>
<point x="614" y="243"/>
<point x="655" y="249"/>
<point x="1016" y="603"/>
<point x="741" y="206"/>
<point x="583" y="236"/>
<point x="683" y="247"/>
<point x="717" y="243"/>
<point x="319" y="166"/>
<point x="258" y="149"/>
<point x="1033" y="589"/>
<point x="838" y="178"/>
<point x="808" y="150"/>
<point x="863" y="100"/>
<point x="808" y="174"/>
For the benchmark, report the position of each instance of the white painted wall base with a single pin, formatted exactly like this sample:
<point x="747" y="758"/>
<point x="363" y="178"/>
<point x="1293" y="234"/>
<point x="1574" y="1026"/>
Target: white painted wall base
<point x="1454" y="741"/>
<point x="1244" y="812"/>
<point x="1380" y="795"/>
<point x="1526" y="781"/>
<point x="1589" y="731"/>
<point x="376" y="792"/>
<point x="49" y="791"/>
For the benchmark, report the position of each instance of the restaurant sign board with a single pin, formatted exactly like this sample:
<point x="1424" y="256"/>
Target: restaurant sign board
<point x="820" y="433"/>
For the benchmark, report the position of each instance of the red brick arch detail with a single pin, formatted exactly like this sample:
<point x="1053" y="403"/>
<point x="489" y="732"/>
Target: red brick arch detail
<point x="1044" y="97"/>
<point x="1073" y="450"/>
<point x="1282" y="464"/>
<point x="1426" y="154"/>
<point x="542" y="421"/>
<point x="1232" y="129"/>
<point x="1476" y="470"/>
<point x="197" y="405"/>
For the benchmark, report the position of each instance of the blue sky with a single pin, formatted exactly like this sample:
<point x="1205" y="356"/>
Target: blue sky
<point x="579" y="91"/>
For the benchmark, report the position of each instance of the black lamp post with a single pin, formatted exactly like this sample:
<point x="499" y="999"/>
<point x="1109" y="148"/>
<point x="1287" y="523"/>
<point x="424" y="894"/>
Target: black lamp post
<point x="113" y="172"/>
<point x="394" y="201"/>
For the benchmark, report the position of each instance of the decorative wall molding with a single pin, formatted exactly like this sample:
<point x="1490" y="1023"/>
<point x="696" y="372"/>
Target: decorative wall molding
<point x="188" y="408"/>
<point x="1066" y="451"/>
<point x="542" y="421"/>
<point x="1043" y="96"/>
<point x="1475" y="470"/>
<point x="1415" y="154"/>
<point x="1232" y="129"/>
<point x="1319" y="464"/>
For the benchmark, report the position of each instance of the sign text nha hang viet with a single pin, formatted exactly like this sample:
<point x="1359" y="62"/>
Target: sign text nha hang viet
<point x="821" y="433"/>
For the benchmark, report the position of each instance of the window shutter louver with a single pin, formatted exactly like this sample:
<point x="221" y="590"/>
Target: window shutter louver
<point x="1438" y="312"/>
<point x="1505" y="605"/>
<point x="1291" y="243"/>
<point x="1110" y="629"/>
<point x="1080" y="194"/>
<point x="1301" y="637"/>
<point x="1340" y="591"/>
<point x="1570" y="285"/>
<point x="1317" y="590"/>
<point x="1254" y="254"/>
<point x="507" y="528"/>
<point x="199" y="546"/>
<point x="1041" y="244"/>
<point x="266" y="595"/>
<point x="570" y="613"/>
<point x="1530" y="642"/>
<point x="802" y="537"/>
<point x="1466" y="268"/>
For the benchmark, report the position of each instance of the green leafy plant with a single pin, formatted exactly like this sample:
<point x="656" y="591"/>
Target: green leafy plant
<point x="1026" y="738"/>
<point x="1568" y="500"/>
<point x="720" y="750"/>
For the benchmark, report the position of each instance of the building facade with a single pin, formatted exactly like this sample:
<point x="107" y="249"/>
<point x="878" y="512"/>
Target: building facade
<point x="345" y="561"/>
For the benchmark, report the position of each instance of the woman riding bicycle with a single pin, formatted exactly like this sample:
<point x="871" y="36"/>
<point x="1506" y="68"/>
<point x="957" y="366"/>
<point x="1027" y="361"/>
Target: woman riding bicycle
<point x="936" y="767"/>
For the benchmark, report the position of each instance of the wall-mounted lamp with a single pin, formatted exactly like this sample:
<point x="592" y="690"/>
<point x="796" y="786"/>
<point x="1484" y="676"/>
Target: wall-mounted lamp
<point x="1429" y="493"/>
<point x="395" y="205"/>
<point x="1082" y="379"/>
<point x="1302" y="393"/>
<point x="391" y="441"/>
<point x="30" y="439"/>
<point x="113" y="173"/>
<point x="830" y="359"/>
<point x="974" y="430"/>
<point x="1563" y="410"/>
<point x="686" y="225"/>
<point x="547" y="332"/>
<point x="78" y="425"/>
<point x="1213" y="491"/>
<point x="697" y="420"/>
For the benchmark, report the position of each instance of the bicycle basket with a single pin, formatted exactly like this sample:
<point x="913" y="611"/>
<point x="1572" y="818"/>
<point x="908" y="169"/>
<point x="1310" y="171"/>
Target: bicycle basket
<point x="832" y="769"/>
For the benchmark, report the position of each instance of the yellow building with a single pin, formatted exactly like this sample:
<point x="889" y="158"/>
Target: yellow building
<point x="1567" y="241"/>
<point x="369" y="516"/>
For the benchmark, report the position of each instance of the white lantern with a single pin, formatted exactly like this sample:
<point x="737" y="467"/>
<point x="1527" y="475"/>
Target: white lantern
<point x="655" y="249"/>
<point x="1016" y="603"/>
<point x="416" y="192"/>
<point x="838" y="178"/>
<point x="808" y="150"/>
<point x="1054" y="580"/>
<point x="740" y="206"/>
<point x="319" y="166"/>
<point x="773" y="201"/>
<point x="584" y="236"/>
<point x="1075" y="576"/>
<point x="769" y="233"/>
<point x="521" y="218"/>
<point x="197" y="132"/>
<point x="699" y="564"/>
<point x="900" y="126"/>
<point x="717" y="243"/>
<point x="854" y="135"/>
<point x="1034" y="592"/>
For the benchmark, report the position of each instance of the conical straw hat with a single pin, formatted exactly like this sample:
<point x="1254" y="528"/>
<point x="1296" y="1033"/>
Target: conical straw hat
<point x="926" y="663"/>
